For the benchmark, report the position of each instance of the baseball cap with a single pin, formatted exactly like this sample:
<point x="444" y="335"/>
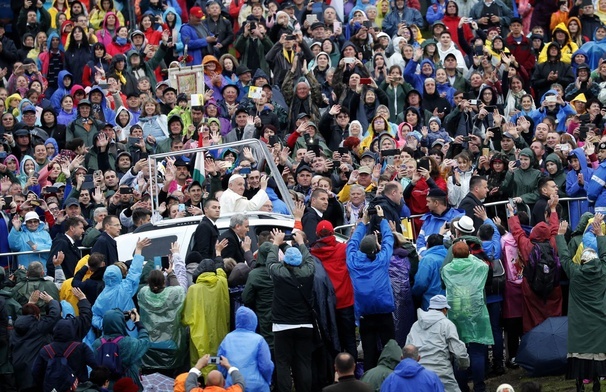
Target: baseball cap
<point x="72" y="201"/>
<point x="32" y="215"/>
<point x="324" y="229"/>
<point x="364" y="170"/>
<point x="197" y="12"/>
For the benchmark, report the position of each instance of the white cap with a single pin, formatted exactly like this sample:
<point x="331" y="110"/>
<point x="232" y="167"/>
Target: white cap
<point x="32" y="215"/>
<point x="233" y="178"/>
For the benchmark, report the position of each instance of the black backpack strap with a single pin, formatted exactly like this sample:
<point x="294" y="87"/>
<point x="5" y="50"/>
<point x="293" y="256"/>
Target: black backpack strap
<point x="72" y="347"/>
<point x="50" y="351"/>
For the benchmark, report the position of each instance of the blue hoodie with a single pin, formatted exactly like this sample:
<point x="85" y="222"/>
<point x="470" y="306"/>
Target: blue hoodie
<point x="427" y="279"/>
<point x="573" y="189"/>
<point x="247" y="351"/>
<point x="432" y="224"/>
<point x="595" y="50"/>
<point x="370" y="278"/>
<point x="18" y="241"/>
<point x="61" y="91"/>
<point x="110" y="115"/>
<point x="52" y="141"/>
<point x="409" y="375"/>
<point x="573" y="63"/>
<point x="562" y="112"/>
<point x="417" y="80"/>
<point x="178" y="23"/>
<point x="118" y="293"/>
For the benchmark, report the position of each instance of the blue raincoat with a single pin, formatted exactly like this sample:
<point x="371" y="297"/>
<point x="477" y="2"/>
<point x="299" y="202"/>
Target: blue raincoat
<point x="17" y="240"/>
<point x="247" y="351"/>
<point x="573" y="189"/>
<point x="118" y="293"/>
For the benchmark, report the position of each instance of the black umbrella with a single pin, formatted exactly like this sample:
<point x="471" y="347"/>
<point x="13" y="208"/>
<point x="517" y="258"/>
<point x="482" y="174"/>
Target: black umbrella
<point x="543" y="349"/>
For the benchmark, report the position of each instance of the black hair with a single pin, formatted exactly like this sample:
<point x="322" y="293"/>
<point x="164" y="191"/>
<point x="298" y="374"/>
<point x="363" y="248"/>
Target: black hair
<point x="485" y="232"/>
<point x="435" y="240"/>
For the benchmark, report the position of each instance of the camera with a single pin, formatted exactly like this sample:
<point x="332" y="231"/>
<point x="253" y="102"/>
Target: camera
<point x="127" y="314"/>
<point x="372" y="211"/>
<point x="288" y="237"/>
<point x="252" y="25"/>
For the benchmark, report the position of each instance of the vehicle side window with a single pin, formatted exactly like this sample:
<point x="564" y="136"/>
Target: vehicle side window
<point x="159" y="247"/>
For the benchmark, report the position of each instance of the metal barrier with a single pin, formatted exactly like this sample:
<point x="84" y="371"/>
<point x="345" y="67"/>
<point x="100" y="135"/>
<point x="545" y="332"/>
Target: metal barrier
<point x="13" y="262"/>
<point x="493" y="207"/>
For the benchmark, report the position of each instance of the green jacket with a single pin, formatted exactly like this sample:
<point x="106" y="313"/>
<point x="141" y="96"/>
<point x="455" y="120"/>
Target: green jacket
<point x="389" y="359"/>
<point x="576" y="237"/>
<point x="523" y="183"/>
<point x="24" y="288"/>
<point x="560" y="176"/>
<point x="151" y="65"/>
<point x="242" y="45"/>
<point x="586" y="313"/>
<point x="396" y="98"/>
<point x="131" y="349"/>
<point x="258" y="294"/>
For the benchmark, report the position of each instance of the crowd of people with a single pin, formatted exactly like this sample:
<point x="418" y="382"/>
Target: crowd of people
<point x="398" y="120"/>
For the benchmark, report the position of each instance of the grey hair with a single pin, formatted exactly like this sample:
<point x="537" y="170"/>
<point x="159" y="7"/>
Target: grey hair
<point x="358" y="187"/>
<point x="99" y="210"/>
<point x="410" y="351"/>
<point x="236" y="220"/>
<point x="35" y="270"/>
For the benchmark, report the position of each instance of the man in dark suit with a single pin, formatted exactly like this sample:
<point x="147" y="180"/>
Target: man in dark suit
<point x="238" y="244"/>
<point x="478" y="190"/>
<point x="345" y="366"/>
<point x="314" y="214"/>
<point x="66" y="243"/>
<point x="106" y="244"/>
<point x="205" y="237"/>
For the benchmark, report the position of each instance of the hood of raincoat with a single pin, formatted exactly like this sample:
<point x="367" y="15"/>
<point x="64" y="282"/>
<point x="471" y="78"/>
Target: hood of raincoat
<point x="178" y="21"/>
<point x="212" y="59"/>
<point x="22" y="166"/>
<point x="50" y="38"/>
<point x="120" y="110"/>
<point x="553" y="157"/>
<point x="579" y="153"/>
<point x="391" y="355"/>
<point x="113" y="322"/>
<point x="562" y="27"/>
<point x="429" y="318"/>
<point x="408" y="368"/>
<point x="107" y="14"/>
<point x="64" y="331"/>
<point x="112" y="276"/>
<point x="262" y="254"/>
<point x="246" y="319"/>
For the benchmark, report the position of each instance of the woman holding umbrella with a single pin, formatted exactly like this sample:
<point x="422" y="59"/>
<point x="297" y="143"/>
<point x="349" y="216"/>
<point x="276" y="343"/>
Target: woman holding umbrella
<point x="586" y="311"/>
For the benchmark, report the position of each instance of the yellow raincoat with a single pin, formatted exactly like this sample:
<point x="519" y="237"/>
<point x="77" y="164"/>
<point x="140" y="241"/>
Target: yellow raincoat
<point x="565" y="52"/>
<point x="206" y="313"/>
<point x="65" y="293"/>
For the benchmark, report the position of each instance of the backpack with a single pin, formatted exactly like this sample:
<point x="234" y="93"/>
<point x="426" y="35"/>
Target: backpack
<point x="59" y="376"/>
<point x="543" y="270"/>
<point x="108" y="355"/>
<point x="495" y="281"/>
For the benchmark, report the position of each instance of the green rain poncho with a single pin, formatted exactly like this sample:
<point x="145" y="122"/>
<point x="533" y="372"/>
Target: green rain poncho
<point x="465" y="279"/>
<point x="206" y="313"/>
<point x="161" y="314"/>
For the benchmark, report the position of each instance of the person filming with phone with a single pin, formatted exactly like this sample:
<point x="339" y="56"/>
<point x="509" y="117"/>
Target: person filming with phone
<point x="215" y="380"/>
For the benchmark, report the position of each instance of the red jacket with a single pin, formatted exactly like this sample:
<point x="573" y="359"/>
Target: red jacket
<point x="332" y="255"/>
<point x="522" y="52"/>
